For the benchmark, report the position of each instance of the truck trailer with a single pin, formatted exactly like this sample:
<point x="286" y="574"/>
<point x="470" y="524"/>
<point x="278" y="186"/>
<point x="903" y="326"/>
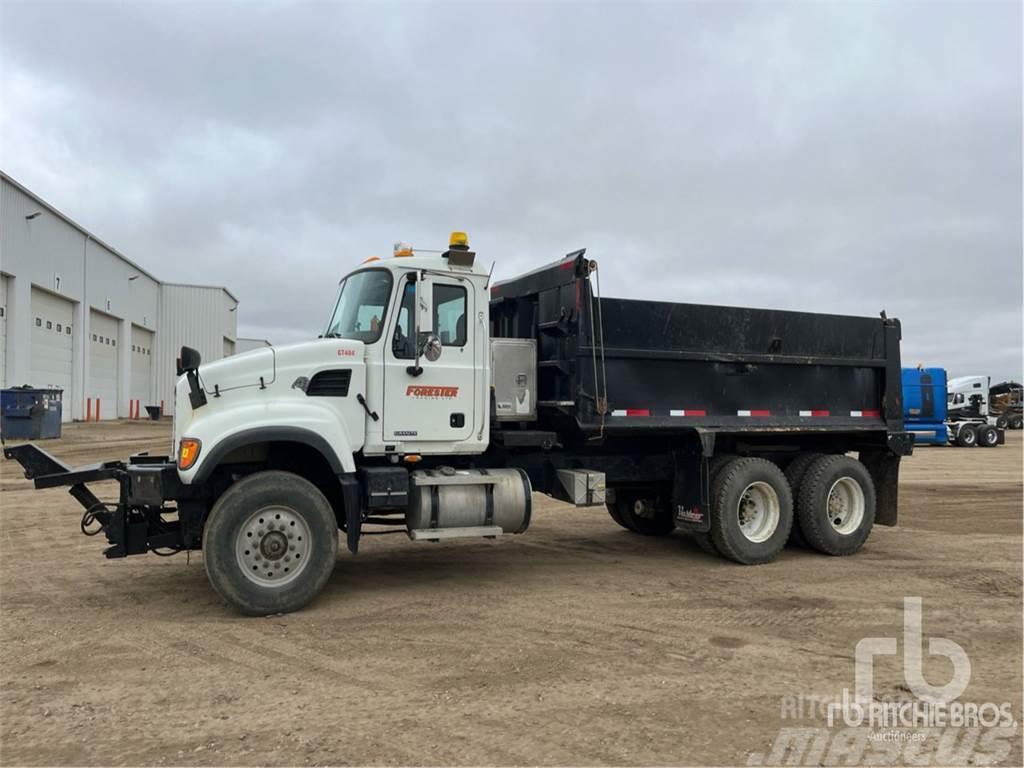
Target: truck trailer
<point x="436" y="404"/>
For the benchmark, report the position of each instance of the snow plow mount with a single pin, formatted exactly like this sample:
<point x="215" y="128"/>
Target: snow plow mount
<point x="134" y="524"/>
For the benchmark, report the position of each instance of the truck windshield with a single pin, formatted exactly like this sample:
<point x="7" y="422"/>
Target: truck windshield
<point x="362" y="304"/>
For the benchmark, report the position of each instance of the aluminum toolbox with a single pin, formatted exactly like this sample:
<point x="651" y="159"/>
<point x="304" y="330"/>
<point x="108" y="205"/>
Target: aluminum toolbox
<point x="514" y="378"/>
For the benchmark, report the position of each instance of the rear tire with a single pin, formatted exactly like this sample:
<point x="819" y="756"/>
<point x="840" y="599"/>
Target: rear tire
<point x="966" y="437"/>
<point x="643" y="512"/>
<point x="752" y="511"/>
<point x="836" y="505"/>
<point x="1002" y="422"/>
<point x="988" y="436"/>
<point x="256" y="537"/>
<point x="1016" y="422"/>
<point x="795" y="471"/>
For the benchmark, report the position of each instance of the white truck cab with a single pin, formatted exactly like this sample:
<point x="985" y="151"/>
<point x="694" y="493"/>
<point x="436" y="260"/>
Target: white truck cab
<point x="406" y="347"/>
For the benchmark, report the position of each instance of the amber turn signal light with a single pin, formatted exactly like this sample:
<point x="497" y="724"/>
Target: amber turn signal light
<point x="188" y="452"/>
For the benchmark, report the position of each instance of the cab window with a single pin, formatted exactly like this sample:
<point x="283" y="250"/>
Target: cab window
<point x="450" y="314"/>
<point x="402" y="344"/>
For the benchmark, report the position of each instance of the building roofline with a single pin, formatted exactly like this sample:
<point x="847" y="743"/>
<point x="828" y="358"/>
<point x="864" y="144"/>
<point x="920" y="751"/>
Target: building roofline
<point x="99" y="241"/>
<point x="209" y="287"/>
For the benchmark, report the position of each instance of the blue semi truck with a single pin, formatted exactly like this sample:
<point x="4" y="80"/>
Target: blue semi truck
<point x="927" y="411"/>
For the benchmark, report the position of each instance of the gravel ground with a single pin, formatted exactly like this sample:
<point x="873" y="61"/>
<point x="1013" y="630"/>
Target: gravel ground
<point x="577" y="643"/>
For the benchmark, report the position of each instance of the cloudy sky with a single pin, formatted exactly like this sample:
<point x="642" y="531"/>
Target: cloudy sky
<point x="836" y="157"/>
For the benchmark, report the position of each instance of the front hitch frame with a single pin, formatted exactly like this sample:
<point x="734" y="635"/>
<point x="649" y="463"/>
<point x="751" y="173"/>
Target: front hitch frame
<point x="130" y="527"/>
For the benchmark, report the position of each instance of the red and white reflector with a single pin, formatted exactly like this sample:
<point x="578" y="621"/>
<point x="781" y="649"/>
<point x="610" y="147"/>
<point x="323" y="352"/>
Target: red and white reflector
<point x="753" y="413"/>
<point x="813" y="413"/>
<point x="865" y="414"/>
<point x="688" y="412"/>
<point x="632" y="412"/>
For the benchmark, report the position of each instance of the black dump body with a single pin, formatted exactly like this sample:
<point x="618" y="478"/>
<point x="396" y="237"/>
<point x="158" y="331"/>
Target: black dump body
<point x="618" y="367"/>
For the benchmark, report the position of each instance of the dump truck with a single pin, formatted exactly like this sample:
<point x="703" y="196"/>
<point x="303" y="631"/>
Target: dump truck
<point x="436" y="404"/>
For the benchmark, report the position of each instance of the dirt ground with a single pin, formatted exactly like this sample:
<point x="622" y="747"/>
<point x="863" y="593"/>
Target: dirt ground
<point x="577" y="643"/>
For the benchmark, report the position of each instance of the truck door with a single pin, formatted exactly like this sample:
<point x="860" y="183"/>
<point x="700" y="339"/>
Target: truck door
<point x="437" y="404"/>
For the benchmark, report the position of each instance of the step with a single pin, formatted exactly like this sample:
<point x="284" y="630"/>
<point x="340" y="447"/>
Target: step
<point x="437" y="534"/>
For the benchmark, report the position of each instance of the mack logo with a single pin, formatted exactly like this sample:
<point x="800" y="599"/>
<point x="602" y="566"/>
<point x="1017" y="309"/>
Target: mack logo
<point x="418" y="390"/>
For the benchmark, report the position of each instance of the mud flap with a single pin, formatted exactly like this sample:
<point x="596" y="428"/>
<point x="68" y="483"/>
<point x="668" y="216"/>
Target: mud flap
<point x="691" y="493"/>
<point x="353" y="510"/>
<point x="884" y="468"/>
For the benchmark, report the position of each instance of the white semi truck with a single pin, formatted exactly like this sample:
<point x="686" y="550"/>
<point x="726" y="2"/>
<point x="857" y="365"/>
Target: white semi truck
<point x="435" y="403"/>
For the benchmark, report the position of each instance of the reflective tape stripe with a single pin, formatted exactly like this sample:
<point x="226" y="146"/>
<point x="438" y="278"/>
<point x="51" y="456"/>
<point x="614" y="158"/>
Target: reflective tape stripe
<point x="688" y="412"/>
<point x="632" y="412"/>
<point x="753" y="413"/>
<point x="814" y="413"/>
<point x="866" y="414"/>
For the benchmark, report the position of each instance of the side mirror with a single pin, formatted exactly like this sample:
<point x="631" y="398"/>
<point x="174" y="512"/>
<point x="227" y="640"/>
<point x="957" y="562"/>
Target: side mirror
<point x="188" y="360"/>
<point x="432" y="347"/>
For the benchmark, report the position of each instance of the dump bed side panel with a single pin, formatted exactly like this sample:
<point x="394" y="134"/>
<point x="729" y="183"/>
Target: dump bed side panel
<point x="664" y="366"/>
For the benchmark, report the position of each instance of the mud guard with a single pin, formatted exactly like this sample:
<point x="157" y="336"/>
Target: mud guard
<point x="353" y="510"/>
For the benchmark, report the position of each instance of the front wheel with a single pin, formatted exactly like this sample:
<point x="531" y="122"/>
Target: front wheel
<point x="270" y="543"/>
<point x="1002" y="422"/>
<point x="1016" y="422"/>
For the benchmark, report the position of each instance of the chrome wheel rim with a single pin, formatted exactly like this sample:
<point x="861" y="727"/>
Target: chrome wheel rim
<point x="272" y="546"/>
<point x="845" y="505"/>
<point x="758" y="510"/>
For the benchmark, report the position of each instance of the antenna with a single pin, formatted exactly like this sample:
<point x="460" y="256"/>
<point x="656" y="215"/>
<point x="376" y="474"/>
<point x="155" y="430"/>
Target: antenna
<point x="488" y="283"/>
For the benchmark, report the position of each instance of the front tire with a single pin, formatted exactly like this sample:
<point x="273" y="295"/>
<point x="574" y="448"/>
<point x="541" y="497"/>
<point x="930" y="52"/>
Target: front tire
<point x="270" y="543"/>
<point x="836" y="505"/>
<point x="752" y="511"/>
<point x="1016" y="422"/>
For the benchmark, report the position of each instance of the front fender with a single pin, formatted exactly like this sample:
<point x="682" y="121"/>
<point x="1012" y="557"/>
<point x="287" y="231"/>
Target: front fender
<point x="300" y="422"/>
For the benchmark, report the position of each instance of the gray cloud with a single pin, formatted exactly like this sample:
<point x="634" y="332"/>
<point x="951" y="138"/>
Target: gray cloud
<point x="834" y="157"/>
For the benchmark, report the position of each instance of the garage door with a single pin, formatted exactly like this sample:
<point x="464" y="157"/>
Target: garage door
<point x="51" y="344"/>
<point x="102" y="365"/>
<point x="3" y="331"/>
<point x="142" y="368"/>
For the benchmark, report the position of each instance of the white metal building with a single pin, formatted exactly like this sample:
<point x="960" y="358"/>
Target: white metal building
<point x="247" y="345"/>
<point x="78" y="315"/>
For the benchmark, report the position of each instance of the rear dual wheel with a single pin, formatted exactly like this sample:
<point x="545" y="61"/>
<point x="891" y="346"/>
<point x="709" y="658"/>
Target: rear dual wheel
<point x="642" y="511"/>
<point x="966" y="437"/>
<point x="988" y="436"/>
<point x="836" y="505"/>
<point x="752" y="511"/>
